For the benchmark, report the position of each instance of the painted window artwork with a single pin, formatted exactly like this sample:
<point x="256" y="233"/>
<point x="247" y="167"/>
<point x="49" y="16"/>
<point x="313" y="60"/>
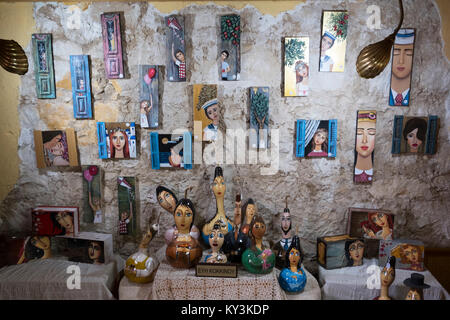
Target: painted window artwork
<point x="116" y="140"/>
<point x="316" y="138"/>
<point x="171" y="150"/>
<point x="42" y="52"/>
<point x="112" y="45"/>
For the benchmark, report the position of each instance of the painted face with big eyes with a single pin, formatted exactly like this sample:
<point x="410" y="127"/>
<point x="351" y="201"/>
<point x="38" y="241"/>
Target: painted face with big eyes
<point x="167" y="201"/>
<point x="213" y="112"/>
<point x="216" y="239"/>
<point x="94" y="250"/>
<point x="180" y="56"/>
<point x="365" y="138"/>
<point x="387" y="276"/>
<point x="285" y="221"/>
<point x="118" y="140"/>
<point x="326" y="43"/>
<point x="319" y="138"/>
<point x="294" y="257"/>
<point x="411" y="253"/>
<point x="183" y="218"/>
<point x="219" y="187"/>
<point x="65" y="220"/>
<point x="41" y="242"/>
<point x="402" y="60"/>
<point x="55" y="145"/>
<point x="413" y="295"/>
<point x="356" y="251"/>
<point x="413" y="141"/>
<point x="380" y="219"/>
<point x="250" y="213"/>
<point x="258" y="230"/>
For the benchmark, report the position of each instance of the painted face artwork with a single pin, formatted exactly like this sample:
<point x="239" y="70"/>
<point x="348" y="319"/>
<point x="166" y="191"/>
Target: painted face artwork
<point x="402" y="60"/>
<point x="65" y="219"/>
<point x="411" y="254"/>
<point x="387" y="276"/>
<point x="125" y="215"/>
<point x="219" y="187"/>
<point x="180" y="56"/>
<point x="118" y="139"/>
<point x="250" y="212"/>
<point x="167" y="201"/>
<point x="213" y="113"/>
<point x="285" y="221"/>
<point x="216" y="239"/>
<point x="365" y="138"/>
<point x="294" y="257"/>
<point x="413" y="141"/>
<point x="258" y="230"/>
<point x="94" y="250"/>
<point x="41" y="242"/>
<point x="356" y="251"/>
<point x="380" y="219"/>
<point x="413" y="294"/>
<point x="183" y="219"/>
<point x="326" y="43"/>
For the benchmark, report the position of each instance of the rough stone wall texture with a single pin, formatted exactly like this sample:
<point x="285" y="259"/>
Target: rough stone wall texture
<point x="320" y="190"/>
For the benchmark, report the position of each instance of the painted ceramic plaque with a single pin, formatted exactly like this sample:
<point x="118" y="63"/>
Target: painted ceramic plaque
<point x="128" y="220"/>
<point x="259" y="117"/>
<point x="316" y="138"/>
<point x="333" y="41"/>
<point x="415" y="135"/>
<point x="43" y="65"/>
<point x="171" y="150"/>
<point x="92" y="194"/>
<point x="116" y="140"/>
<point x="409" y="253"/>
<point x="340" y="251"/>
<point x="364" y="146"/>
<point x="149" y="95"/>
<point x="112" y="45"/>
<point x="207" y="111"/>
<point x="55" y="221"/>
<point x="176" y="58"/>
<point x="81" y="87"/>
<point x="402" y="63"/>
<point x="296" y="66"/>
<point x="230" y="47"/>
<point x="55" y="148"/>
<point x="90" y="247"/>
<point x="21" y="249"/>
<point x="370" y="223"/>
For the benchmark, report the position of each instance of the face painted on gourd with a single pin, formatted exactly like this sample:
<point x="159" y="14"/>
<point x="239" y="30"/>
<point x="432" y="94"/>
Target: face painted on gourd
<point x="387" y="276"/>
<point x="183" y="219"/>
<point x="294" y="257"/>
<point x="216" y="239"/>
<point x="413" y="295"/>
<point x="258" y="230"/>
<point x="365" y="138"/>
<point x="118" y="140"/>
<point x="219" y="187"/>
<point x="285" y="221"/>
<point x="413" y="141"/>
<point x="95" y="250"/>
<point x="167" y="201"/>
<point x="356" y="251"/>
<point x="250" y="213"/>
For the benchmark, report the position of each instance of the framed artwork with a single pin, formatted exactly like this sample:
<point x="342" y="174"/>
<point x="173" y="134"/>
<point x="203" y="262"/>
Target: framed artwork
<point x="128" y="220"/>
<point x="370" y="223"/>
<point x="90" y="247"/>
<point x="171" y="150"/>
<point x="207" y="111"/>
<point x="55" y="221"/>
<point x="55" y="148"/>
<point x="21" y="249"/>
<point x="259" y="117"/>
<point x="149" y="95"/>
<point x="81" y="87"/>
<point x="333" y="41"/>
<point x="116" y="140"/>
<point x="409" y="254"/>
<point x="316" y="138"/>
<point x="230" y="47"/>
<point x="366" y="122"/>
<point x="43" y="65"/>
<point x="112" y="45"/>
<point x="92" y="194"/>
<point x="401" y="68"/>
<point x="415" y="135"/>
<point x="296" y="66"/>
<point x="176" y="58"/>
<point x="340" y="251"/>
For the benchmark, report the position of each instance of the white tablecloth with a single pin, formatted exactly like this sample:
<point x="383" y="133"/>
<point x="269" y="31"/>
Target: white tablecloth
<point x="351" y="283"/>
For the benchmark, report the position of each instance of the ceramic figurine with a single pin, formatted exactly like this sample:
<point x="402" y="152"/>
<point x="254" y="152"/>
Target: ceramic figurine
<point x="140" y="267"/>
<point x="280" y="248"/>
<point x="184" y="251"/>
<point x="293" y="278"/>
<point x="225" y="223"/>
<point x="236" y="242"/>
<point x="249" y="211"/>
<point x="216" y="239"/>
<point x="387" y="277"/>
<point x="416" y="285"/>
<point x="258" y="259"/>
<point x="168" y="200"/>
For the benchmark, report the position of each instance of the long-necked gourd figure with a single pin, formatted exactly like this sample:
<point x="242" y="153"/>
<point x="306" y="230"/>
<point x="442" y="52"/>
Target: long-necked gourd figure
<point x="387" y="277"/>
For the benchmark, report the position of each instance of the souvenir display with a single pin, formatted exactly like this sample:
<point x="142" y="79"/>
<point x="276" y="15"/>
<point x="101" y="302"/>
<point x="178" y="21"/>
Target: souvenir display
<point x="207" y="111"/>
<point x="316" y="138"/>
<point x="168" y="200"/>
<point x="219" y="188"/>
<point x="293" y="278"/>
<point x="55" y="221"/>
<point x="92" y="194"/>
<point x="176" y="59"/>
<point x="90" y="247"/>
<point x="296" y="66"/>
<point x="230" y="47"/>
<point x="149" y="95"/>
<point x="112" y="45"/>
<point x="184" y="251"/>
<point x="140" y="267"/>
<point x="116" y="140"/>
<point x="415" y="135"/>
<point x="236" y="241"/>
<point x="333" y="41"/>
<point x="416" y="284"/>
<point x="55" y="148"/>
<point x="216" y="239"/>
<point x="258" y="258"/>
<point x="402" y="62"/>
<point x="364" y="146"/>
<point x="409" y="253"/>
<point x="17" y="249"/>
<point x="128" y="219"/>
<point x="43" y="65"/>
<point x="371" y="223"/>
<point x="81" y="87"/>
<point x="340" y="251"/>
<point x="12" y="57"/>
<point x="387" y="277"/>
<point x="280" y="247"/>
<point x="171" y="150"/>
<point x="259" y="117"/>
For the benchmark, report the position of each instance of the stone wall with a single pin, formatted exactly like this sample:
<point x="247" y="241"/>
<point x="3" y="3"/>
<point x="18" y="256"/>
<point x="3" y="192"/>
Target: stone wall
<point x="415" y="188"/>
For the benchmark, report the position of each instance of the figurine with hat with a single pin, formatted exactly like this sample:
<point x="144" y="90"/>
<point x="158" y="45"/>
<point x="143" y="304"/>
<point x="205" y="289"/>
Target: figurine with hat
<point x="416" y="284"/>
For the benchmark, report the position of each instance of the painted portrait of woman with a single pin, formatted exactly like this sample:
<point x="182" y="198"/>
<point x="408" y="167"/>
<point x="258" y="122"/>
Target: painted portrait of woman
<point x="354" y="252"/>
<point x="326" y="62"/>
<point x="414" y="135"/>
<point x="64" y="220"/>
<point x="301" y="77"/>
<point x="379" y="226"/>
<point x="118" y="144"/>
<point x="409" y="254"/>
<point x="95" y="252"/>
<point x="37" y="247"/>
<point x="319" y="143"/>
<point x="364" y="146"/>
<point x="56" y="150"/>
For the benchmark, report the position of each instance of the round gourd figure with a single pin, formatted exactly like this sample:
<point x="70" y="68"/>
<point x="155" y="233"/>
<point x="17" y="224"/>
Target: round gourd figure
<point x="216" y="239"/>
<point x="293" y="278"/>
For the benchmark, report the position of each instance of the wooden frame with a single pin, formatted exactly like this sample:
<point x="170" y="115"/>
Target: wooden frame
<point x="365" y="137"/>
<point x="409" y="254"/>
<point x="112" y="45"/>
<point x="128" y="225"/>
<point x="81" y="87"/>
<point x="44" y="154"/>
<point x="230" y="47"/>
<point x="331" y="251"/>
<point x="43" y="65"/>
<point x="149" y="95"/>
<point x="92" y="194"/>
<point x="306" y="131"/>
<point x="358" y="219"/>
<point x="106" y="148"/>
<point x="208" y="111"/>
<point x="259" y="117"/>
<point x="45" y="225"/>
<point x="166" y="149"/>
<point x="77" y="248"/>
<point x="333" y="41"/>
<point x="296" y="66"/>
<point x="176" y="49"/>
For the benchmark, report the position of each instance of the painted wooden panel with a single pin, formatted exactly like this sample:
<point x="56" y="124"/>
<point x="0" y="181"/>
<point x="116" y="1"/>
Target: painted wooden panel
<point x="364" y="146"/>
<point x="316" y="138"/>
<point x="116" y="140"/>
<point x="81" y="86"/>
<point x="43" y="65"/>
<point x="176" y="49"/>
<point x="334" y="251"/>
<point x="171" y="150"/>
<point x="230" y="47"/>
<point x="55" y="148"/>
<point x="92" y="194"/>
<point x="149" y="95"/>
<point x="128" y="215"/>
<point x="296" y="66"/>
<point x="112" y="45"/>
<point x="333" y="41"/>
<point x="207" y="111"/>
<point x="259" y="117"/>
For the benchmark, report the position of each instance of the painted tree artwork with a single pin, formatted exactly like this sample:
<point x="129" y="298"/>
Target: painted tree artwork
<point x="333" y="41"/>
<point x="230" y="48"/>
<point x="259" y="117"/>
<point x="296" y="66"/>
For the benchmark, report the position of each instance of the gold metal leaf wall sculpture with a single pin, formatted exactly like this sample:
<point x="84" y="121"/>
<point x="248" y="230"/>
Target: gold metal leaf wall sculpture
<point x="12" y="57"/>
<point x="374" y="58"/>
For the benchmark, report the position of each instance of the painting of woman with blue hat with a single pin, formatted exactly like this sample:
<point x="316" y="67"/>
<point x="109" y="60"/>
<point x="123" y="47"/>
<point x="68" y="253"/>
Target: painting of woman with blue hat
<point x="402" y="59"/>
<point x="333" y="42"/>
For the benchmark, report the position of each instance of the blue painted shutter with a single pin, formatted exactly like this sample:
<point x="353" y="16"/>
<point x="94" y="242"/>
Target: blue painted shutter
<point x="154" y="150"/>
<point x="187" y="150"/>
<point x="101" y="136"/>
<point x="81" y="87"/>
<point x="300" y="139"/>
<point x="430" y="147"/>
<point x="332" y="140"/>
<point x="397" y="134"/>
